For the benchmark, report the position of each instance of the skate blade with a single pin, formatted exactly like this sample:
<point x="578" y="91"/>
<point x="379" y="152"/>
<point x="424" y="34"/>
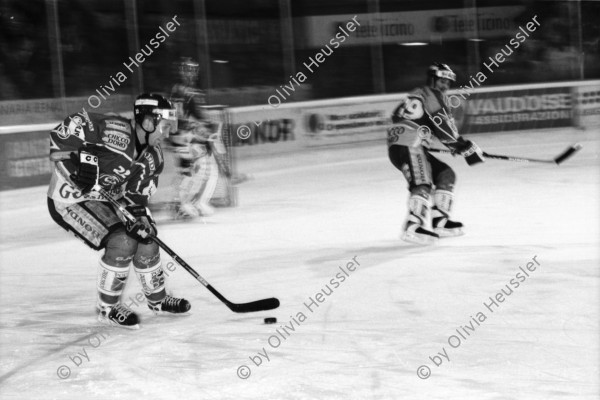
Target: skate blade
<point x="106" y="321"/>
<point x="424" y="240"/>
<point x="171" y="315"/>
<point x="442" y="232"/>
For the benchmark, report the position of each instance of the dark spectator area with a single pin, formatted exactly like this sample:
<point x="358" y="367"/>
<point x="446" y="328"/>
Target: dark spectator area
<point x="62" y="49"/>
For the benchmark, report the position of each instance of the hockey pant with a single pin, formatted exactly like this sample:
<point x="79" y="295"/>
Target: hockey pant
<point x="422" y="171"/>
<point x="99" y="226"/>
<point x="90" y="221"/>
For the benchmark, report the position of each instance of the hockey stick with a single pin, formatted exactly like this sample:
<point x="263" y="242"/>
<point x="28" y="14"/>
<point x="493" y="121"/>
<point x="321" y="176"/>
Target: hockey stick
<point x="556" y="160"/>
<point x="253" y="306"/>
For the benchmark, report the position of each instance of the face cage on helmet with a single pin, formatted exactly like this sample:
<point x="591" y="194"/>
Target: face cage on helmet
<point x="169" y="115"/>
<point x="189" y="68"/>
<point x="158" y="114"/>
<point x="442" y="73"/>
<point x="189" y="71"/>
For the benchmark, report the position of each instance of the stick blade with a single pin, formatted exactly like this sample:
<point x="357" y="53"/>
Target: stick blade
<point x="567" y="153"/>
<point x="254" y="306"/>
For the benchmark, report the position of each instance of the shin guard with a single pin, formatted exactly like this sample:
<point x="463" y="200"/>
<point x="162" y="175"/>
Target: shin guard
<point x="443" y="200"/>
<point x="442" y="209"/>
<point x="111" y="282"/>
<point x="152" y="279"/>
<point x="418" y="227"/>
<point x="419" y="208"/>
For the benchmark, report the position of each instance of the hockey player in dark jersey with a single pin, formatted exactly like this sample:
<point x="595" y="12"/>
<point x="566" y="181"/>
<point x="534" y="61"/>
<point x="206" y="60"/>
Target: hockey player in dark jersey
<point x="421" y="116"/>
<point x="124" y="158"/>
<point x="198" y="145"/>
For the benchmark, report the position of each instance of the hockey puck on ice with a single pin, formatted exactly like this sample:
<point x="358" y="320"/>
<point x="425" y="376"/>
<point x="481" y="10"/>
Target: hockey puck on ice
<point x="270" y="320"/>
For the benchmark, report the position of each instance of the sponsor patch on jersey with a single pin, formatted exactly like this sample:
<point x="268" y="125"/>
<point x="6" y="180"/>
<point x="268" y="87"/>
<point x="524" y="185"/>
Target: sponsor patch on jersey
<point x="118" y="125"/>
<point x="76" y="127"/>
<point x="116" y="139"/>
<point x="150" y="160"/>
<point x="66" y="191"/>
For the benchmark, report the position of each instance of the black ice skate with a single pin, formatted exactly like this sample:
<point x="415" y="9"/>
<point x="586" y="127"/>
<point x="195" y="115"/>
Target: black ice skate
<point x="417" y="228"/>
<point x="170" y="304"/>
<point x="416" y="233"/>
<point x="445" y="227"/>
<point x="118" y="315"/>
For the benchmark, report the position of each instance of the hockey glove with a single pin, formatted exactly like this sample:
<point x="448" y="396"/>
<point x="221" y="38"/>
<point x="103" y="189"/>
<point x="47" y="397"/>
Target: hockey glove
<point x="470" y="151"/>
<point x="143" y="227"/>
<point x="88" y="170"/>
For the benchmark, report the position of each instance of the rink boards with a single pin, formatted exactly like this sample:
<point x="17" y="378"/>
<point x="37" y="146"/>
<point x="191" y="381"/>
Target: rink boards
<point x="258" y="131"/>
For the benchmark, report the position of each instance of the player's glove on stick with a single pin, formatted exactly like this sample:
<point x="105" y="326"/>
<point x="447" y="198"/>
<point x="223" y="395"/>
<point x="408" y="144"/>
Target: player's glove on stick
<point x="88" y="170"/>
<point x="143" y="227"/>
<point x="470" y="151"/>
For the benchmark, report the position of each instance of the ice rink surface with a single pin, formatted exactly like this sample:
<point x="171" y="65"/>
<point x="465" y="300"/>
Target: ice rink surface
<point x="301" y="218"/>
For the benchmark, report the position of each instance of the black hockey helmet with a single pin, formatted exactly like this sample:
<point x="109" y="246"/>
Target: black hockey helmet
<point x="156" y="106"/>
<point x="439" y="70"/>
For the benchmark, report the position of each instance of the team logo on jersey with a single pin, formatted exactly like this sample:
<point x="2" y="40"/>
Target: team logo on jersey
<point x="108" y="180"/>
<point x="116" y="139"/>
<point x="150" y="160"/>
<point x="61" y="131"/>
<point x="76" y="127"/>
<point x="424" y="132"/>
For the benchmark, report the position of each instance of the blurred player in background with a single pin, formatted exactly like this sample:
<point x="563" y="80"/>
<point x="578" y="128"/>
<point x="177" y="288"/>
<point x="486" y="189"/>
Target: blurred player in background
<point x="198" y="146"/>
<point x="124" y="158"/>
<point x="422" y="115"/>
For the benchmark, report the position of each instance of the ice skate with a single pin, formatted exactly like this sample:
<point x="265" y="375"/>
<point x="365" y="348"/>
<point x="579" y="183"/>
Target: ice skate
<point x="171" y="305"/>
<point x="417" y="228"/>
<point x="117" y="315"/>
<point x="187" y="211"/>
<point x="442" y="224"/>
<point x="205" y="209"/>
<point x="415" y="233"/>
<point x="445" y="227"/>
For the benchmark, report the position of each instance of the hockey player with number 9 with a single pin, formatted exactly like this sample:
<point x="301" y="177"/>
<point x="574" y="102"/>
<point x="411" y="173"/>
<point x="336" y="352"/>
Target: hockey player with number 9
<point x="421" y="116"/>
<point x="123" y="157"/>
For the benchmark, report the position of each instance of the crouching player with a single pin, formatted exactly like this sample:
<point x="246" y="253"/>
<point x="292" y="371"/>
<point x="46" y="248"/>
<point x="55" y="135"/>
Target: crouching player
<point x="425" y="114"/>
<point x="124" y="158"/>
